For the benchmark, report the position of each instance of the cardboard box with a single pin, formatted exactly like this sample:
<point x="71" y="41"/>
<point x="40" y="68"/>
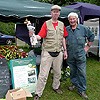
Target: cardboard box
<point x="17" y="94"/>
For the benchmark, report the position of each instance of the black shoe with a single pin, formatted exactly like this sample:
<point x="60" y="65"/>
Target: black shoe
<point x="36" y="97"/>
<point x="83" y="94"/>
<point x="59" y="91"/>
<point x="71" y="88"/>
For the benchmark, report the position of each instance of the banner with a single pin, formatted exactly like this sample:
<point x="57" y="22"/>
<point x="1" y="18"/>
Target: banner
<point x="24" y="73"/>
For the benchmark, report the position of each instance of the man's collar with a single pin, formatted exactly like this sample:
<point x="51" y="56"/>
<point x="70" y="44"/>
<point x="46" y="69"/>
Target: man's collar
<point x="78" y="27"/>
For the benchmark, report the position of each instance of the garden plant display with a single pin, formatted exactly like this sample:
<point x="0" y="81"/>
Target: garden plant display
<point x="11" y="52"/>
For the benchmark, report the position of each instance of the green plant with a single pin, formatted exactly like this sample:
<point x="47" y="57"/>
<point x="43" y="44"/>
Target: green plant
<point x="12" y="52"/>
<point x="7" y="28"/>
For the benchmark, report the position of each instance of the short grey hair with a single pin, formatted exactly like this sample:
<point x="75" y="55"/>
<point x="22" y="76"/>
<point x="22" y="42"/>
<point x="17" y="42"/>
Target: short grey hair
<point x="73" y="14"/>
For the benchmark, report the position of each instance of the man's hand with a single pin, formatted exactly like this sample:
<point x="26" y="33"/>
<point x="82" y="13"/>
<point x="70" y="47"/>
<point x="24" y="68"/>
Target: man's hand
<point x="33" y="39"/>
<point x="86" y="48"/>
<point x="30" y="33"/>
<point x="65" y="55"/>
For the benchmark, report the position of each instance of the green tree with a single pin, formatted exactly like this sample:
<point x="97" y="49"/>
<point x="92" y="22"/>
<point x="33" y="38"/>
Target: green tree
<point x="7" y="28"/>
<point x="58" y="2"/>
<point x="67" y="2"/>
<point x="97" y="2"/>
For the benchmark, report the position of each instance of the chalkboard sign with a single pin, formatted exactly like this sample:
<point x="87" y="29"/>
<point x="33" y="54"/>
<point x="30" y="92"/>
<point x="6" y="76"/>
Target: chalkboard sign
<point x="4" y="78"/>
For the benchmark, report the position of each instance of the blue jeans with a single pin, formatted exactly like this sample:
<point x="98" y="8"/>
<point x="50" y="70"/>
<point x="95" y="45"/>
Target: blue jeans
<point x="77" y="66"/>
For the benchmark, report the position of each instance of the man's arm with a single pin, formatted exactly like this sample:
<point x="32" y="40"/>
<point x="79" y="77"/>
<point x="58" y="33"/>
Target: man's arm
<point x="90" y="38"/>
<point x="65" y="49"/>
<point x="64" y="44"/>
<point x="42" y="32"/>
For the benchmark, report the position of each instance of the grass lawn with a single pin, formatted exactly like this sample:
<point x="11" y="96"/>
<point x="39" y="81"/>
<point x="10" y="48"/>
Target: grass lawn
<point x="93" y="85"/>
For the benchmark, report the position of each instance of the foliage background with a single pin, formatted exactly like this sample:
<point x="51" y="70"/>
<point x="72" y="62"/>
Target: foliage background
<point x="7" y="28"/>
<point x="67" y="2"/>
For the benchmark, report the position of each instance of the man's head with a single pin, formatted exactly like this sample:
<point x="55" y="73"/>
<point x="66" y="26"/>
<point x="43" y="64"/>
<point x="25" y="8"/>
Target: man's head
<point x="55" y="11"/>
<point x="73" y="18"/>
